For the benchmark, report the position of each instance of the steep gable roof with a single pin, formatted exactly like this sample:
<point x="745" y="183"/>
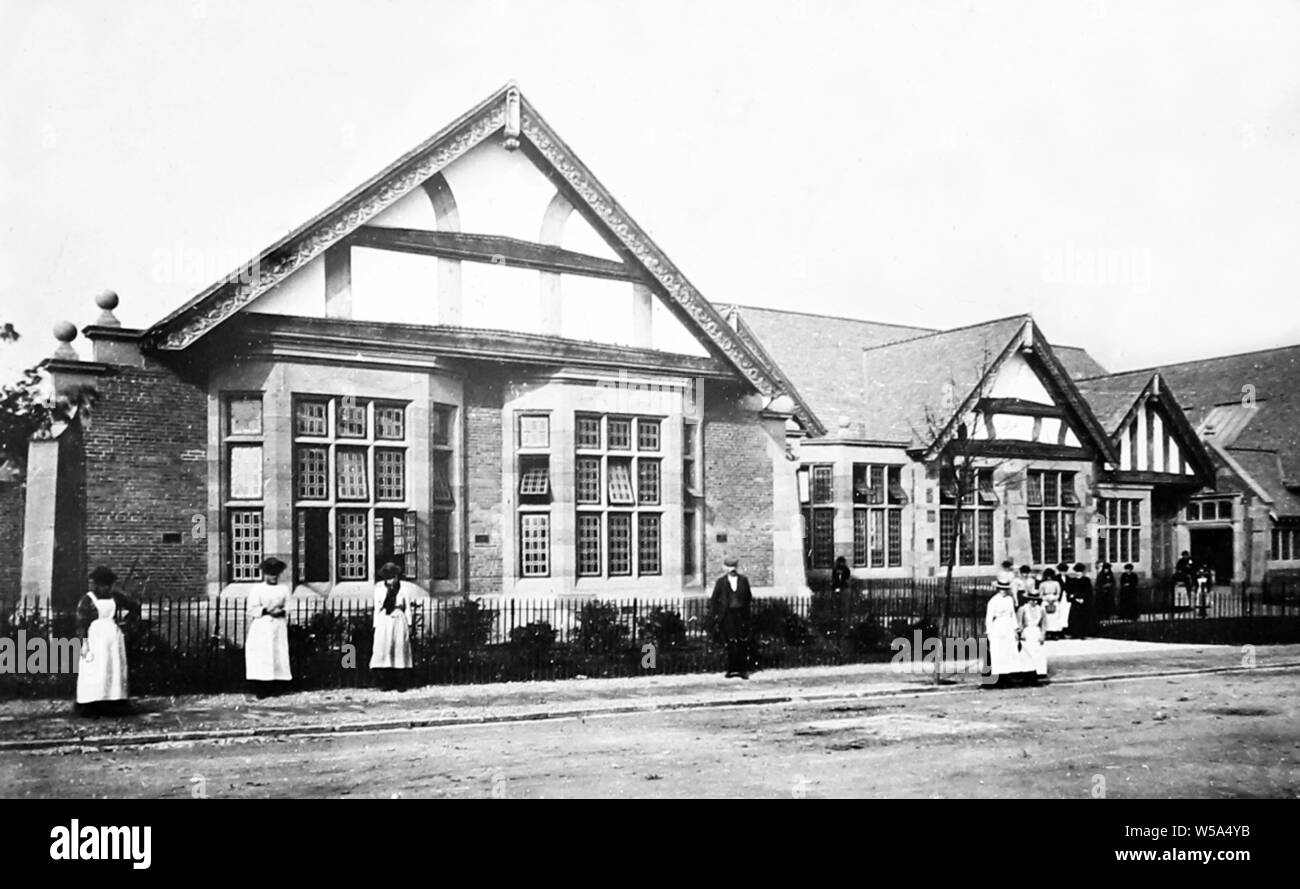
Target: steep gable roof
<point x="935" y="372"/>
<point x="1115" y="399"/>
<point x="817" y="356"/>
<point x="1111" y="398"/>
<point x="786" y="331"/>
<point x="821" y="358"/>
<point x="1252" y="400"/>
<point x="1272" y="373"/>
<point x="803" y="413"/>
<point x="914" y="385"/>
<point x="505" y="110"/>
<point x="1077" y="362"/>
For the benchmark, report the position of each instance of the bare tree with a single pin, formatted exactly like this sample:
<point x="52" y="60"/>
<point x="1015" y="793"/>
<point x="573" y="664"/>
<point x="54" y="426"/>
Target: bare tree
<point x="960" y="459"/>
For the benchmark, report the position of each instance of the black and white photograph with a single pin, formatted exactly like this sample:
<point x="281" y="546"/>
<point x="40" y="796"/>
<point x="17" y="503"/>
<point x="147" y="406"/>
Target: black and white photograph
<point x="569" y="399"/>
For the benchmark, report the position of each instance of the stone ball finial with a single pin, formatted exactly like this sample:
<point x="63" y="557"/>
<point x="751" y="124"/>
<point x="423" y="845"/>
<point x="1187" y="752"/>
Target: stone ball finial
<point x="65" y="332"/>
<point x="107" y="301"/>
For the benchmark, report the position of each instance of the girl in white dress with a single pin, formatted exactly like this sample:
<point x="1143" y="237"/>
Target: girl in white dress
<point x="1000" y="627"/>
<point x="266" y="648"/>
<point x="1056" y="606"/>
<point x="392" y="643"/>
<point x="101" y="674"/>
<point x="1033" y="649"/>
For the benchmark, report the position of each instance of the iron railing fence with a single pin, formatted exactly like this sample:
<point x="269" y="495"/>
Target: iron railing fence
<point x="180" y="645"/>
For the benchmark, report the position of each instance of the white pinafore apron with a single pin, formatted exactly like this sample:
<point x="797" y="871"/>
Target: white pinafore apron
<point x="101" y="674"/>
<point x="266" y="649"/>
<point x="392" y="640"/>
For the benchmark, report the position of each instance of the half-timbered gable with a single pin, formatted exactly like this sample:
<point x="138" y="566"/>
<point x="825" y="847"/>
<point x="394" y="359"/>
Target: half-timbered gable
<point x="965" y="446"/>
<point x="476" y="365"/>
<point x="1221" y="436"/>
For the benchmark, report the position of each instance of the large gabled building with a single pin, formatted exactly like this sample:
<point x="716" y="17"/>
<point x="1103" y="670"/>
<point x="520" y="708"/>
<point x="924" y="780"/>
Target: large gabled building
<point x="476" y="364"/>
<point x="973" y="445"/>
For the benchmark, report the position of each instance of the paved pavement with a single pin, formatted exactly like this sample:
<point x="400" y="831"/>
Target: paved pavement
<point x="43" y="724"/>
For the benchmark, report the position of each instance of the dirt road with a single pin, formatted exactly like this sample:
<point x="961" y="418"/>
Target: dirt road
<point x="1220" y="735"/>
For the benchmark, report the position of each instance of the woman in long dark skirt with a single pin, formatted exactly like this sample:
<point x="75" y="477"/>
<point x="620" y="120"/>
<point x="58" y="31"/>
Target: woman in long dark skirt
<point x="1128" y="593"/>
<point x="1083" y="615"/>
<point x="1105" y="592"/>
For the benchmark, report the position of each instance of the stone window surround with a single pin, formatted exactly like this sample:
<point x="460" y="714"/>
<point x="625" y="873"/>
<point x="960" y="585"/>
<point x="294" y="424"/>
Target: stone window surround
<point x="564" y="395"/>
<point x="279" y="382"/>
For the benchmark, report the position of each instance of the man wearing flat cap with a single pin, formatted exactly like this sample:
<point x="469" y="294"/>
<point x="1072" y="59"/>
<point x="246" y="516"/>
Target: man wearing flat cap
<point x="731" y="614"/>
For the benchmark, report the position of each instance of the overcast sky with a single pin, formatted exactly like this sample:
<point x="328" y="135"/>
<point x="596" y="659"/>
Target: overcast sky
<point x="1129" y="172"/>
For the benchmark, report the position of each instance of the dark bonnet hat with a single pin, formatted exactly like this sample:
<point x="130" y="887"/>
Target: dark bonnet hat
<point x="389" y="571"/>
<point x="272" y="565"/>
<point x="103" y="575"/>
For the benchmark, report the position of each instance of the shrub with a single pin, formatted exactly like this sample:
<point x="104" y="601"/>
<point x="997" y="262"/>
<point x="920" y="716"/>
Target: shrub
<point x="769" y="618"/>
<point x="777" y="620"/>
<point x="36" y="621"/>
<point x="142" y="641"/>
<point x="328" y="631"/>
<point x="600" y="627"/>
<point x="867" y="634"/>
<point x="907" y="629"/>
<point x="827" y="615"/>
<point x="468" y="624"/>
<point x="663" y="627"/>
<point x="534" y="641"/>
<point x="798" y="631"/>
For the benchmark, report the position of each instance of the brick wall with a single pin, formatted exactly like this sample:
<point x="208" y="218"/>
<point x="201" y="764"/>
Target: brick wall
<point x="483" y="445"/>
<point x="146" y="476"/>
<point x="737" y="488"/>
<point x="13" y="505"/>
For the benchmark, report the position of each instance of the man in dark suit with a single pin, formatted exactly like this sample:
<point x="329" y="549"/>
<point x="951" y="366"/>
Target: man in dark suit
<point x="731" y="615"/>
<point x="1185" y="574"/>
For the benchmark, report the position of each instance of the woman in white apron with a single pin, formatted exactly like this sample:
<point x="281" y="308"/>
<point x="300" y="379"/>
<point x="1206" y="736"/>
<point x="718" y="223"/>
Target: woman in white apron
<point x="1033" y="650"/>
<point x="392" y="642"/>
<point x="266" y="649"/>
<point x="1000" y="626"/>
<point x="101" y="673"/>
<point x="1056" y="606"/>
